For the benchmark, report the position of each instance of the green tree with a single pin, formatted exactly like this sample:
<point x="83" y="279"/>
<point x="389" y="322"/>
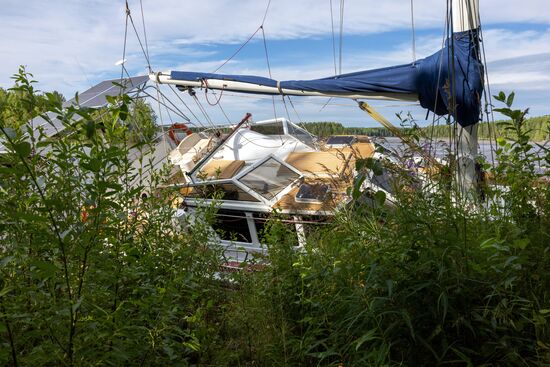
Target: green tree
<point x="21" y="103"/>
<point x="141" y="121"/>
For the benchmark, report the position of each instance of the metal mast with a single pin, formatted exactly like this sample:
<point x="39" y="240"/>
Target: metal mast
<point x="466" y="18"/>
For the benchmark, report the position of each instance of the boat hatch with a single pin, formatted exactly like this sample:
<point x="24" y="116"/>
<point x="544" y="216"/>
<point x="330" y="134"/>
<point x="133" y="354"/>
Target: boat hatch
<point x="269" y="178"/>
<point x="315" y="193"/>
<point x="340" y="141"/>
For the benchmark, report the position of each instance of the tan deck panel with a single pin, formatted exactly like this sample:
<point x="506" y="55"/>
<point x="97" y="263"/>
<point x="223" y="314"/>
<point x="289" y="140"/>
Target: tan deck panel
<point x="318" y="162"/>
<point x="358" y="150"/>
<point x="221" y="169"/>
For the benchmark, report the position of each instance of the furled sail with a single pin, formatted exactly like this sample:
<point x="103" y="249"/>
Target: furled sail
<point x="447" y="82"/>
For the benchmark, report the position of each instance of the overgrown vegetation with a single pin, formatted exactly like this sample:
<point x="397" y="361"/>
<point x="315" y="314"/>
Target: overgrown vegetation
<point x="92" y="273"/>
<point x="17" y="105"/>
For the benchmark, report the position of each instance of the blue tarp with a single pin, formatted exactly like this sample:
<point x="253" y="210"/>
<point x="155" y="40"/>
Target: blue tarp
<point x="431" y="78"/>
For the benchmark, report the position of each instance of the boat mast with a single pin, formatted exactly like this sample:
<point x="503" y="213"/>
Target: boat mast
<point x="466" y="18"/>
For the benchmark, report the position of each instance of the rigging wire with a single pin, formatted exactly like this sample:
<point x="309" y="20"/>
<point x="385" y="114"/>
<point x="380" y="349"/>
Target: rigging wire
<point x="413" y="33"/>
<point x="223" y="112"/>
<point x="124" y="44"/>
<point x="238" y="50"/>
<point x="268" y="65"/>
<point x="203" y="111"/>
<point x="129" y="15"/>
<point x="174" y="108"/>
<point x="185" y="104"/>
<point x="334" y="45"/>
<point x="266" y="10"/>
<point x="333" y="39"/>
<point x="341" y="34"/>
<point x="144" y="31"/>
<point x="164" y="143"/>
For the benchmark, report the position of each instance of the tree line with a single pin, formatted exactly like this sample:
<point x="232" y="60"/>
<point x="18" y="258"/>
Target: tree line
<point x="537" y="128"/>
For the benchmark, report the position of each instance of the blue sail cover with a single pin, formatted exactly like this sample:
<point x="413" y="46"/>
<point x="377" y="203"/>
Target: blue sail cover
<point x="432" y="79"/>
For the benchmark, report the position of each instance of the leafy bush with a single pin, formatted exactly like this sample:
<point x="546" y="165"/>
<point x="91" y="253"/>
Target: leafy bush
<point x="94" y="273"/>
<point x="427" y="282"/>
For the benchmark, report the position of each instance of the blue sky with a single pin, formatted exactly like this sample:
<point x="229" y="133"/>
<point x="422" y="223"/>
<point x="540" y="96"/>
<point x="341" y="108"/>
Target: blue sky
<point x="70" y="45"/>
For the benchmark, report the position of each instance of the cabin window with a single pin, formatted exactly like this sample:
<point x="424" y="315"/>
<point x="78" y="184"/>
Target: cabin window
<point x="300" y="134"/>
<point x="232" y="225"/>
<point x="275" y="128"/>
<point x="269" y="178"/>
<point x="223" y="191"/>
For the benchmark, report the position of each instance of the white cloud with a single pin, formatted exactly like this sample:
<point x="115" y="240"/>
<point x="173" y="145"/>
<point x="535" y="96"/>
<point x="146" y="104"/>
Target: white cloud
<point x="69" y="45"/>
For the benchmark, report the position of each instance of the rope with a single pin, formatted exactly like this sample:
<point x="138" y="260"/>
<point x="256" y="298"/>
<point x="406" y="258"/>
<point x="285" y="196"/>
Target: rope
<point x="300" y="119"/>
<point x="205" y="81"/>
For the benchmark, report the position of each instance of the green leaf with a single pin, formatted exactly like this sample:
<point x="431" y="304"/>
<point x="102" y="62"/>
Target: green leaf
<point x="516" y="115"/>
<point x="370" y="335"/>
<point x="380" y="197"/>
<point x="505" y="111"/>
<point x="23" y="148"/>
<point x="375" y="165"/>
<point x="6" y="260"/>
<point x="93" y="165"/>
<point x="5" y="291"/>
<point x="45" y="268"/>
<point x="510" y="99"/>
<point x="110" y="99"/>
<point x="360" y="164"/>
<point x="76" y="306"/>
<point x="488" y="243"/>
<point x="357" y="185"/>
<point x="90" y="129"/>
<point x="521" y="243"/>
<point x="501" y="97"/>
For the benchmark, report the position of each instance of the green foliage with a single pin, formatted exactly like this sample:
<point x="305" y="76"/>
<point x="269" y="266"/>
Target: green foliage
<point x="423" y="282"/>
<point x="22" y="102"/>
<point x="92" y="273"/>
<point x="142" y="121"/>
<point x="326" y="129"/>
<point x="537" y="128"/>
